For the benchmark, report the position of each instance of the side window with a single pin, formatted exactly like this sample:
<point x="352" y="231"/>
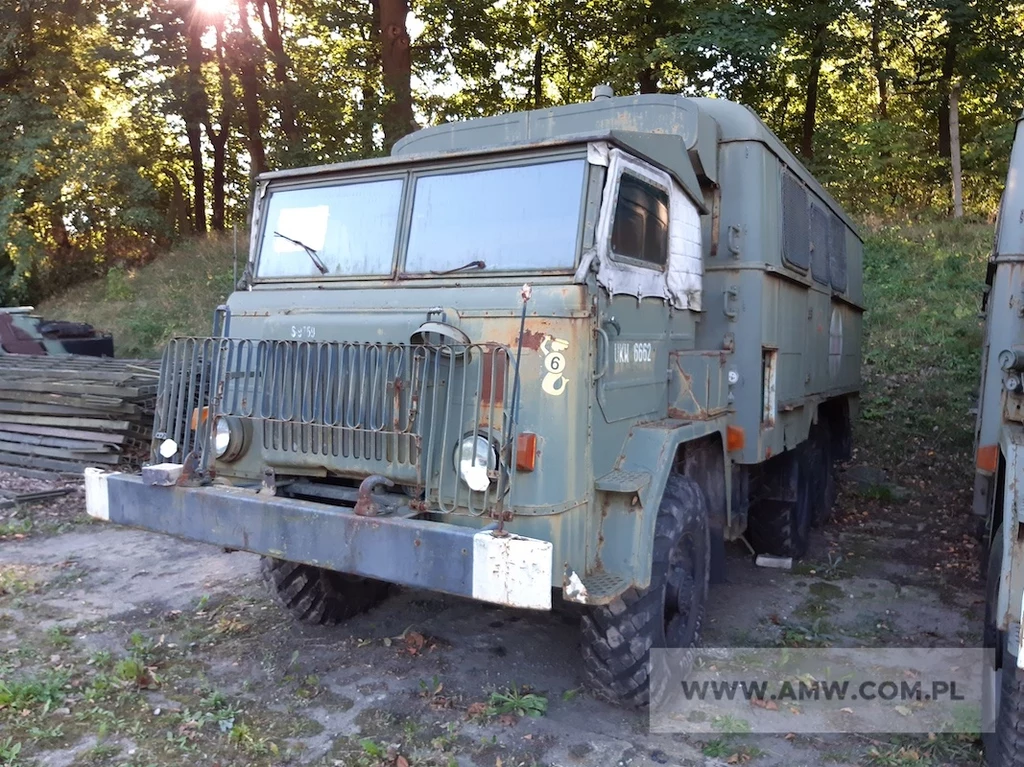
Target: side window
<point x="837" y="253"/>
<point x="795" y="225"/>
<point x="640" y="226"/>
<point x="819" y="245"/>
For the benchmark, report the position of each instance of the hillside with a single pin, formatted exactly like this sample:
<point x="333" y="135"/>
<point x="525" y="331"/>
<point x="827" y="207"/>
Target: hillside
<point x="144" y="307"/>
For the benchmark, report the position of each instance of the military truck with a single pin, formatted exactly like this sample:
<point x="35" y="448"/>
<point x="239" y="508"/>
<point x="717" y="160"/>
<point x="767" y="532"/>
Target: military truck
<point x="564" y="352"/>
<point x="999" y="463"/>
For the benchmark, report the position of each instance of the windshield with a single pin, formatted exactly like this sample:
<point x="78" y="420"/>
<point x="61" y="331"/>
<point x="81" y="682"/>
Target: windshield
<point x="346" y="230"/>
<point x="512" y="218"/>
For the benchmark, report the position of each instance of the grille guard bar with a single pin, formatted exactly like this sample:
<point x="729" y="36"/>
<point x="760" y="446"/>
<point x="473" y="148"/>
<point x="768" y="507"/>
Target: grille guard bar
<point x="358" y="409"/>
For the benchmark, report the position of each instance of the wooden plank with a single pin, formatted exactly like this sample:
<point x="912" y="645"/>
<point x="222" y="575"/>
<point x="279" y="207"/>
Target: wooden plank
<point x="69" y="444"/>
<point x="36" y="463"/>
<point x="53" y="431"/>
<point x="57" y="452"/>
<point x="87" y="423"/>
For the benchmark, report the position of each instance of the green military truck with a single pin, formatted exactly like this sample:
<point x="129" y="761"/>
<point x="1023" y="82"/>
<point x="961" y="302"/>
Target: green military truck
<point x="565" y="351"/>
<point x="1000" y="471"/>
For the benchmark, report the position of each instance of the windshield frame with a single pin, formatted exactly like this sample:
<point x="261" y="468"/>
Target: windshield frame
<point x="409" y="173"/>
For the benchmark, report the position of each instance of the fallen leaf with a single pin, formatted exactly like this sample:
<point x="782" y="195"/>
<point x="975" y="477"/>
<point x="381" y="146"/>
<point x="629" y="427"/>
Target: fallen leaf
<point x="903" y="710"/>
<point x="476" y="709"/>
<point x="734" y="759"/>
<point x="401" y="761"/>
<point x="508" y="719"/>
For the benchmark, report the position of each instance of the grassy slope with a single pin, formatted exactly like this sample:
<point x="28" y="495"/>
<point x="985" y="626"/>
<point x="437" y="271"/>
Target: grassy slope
<point x="923" y="288"/>
<point x="143" y="308"/>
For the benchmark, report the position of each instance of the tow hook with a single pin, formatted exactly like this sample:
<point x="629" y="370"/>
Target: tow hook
<point x="365" y="505"/>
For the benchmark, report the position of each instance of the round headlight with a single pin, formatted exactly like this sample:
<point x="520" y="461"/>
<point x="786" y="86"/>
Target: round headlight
<point x="473" y="458"/>
<point x="228" y="438"/>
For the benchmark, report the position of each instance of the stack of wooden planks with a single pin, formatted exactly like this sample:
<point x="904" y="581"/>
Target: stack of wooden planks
<point x="63" y="413"/>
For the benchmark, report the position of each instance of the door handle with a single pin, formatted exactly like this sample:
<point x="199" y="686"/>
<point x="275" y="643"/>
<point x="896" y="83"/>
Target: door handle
<point x="604" y="352"/>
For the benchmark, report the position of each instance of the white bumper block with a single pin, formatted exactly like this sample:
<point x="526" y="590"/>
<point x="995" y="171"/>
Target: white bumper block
<point x="512" y="570"/>
<point x="97" y="497"/>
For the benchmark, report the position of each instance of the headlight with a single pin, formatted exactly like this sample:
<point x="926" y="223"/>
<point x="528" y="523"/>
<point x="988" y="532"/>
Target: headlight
<point x="473" y="458"/>
<point x="228" y="438"/>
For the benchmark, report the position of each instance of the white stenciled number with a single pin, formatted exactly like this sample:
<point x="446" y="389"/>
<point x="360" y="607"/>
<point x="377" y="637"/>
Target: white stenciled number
<point x="554" y="365"/>
<point x="303" y="331"/>
<point x="642" y="353"/>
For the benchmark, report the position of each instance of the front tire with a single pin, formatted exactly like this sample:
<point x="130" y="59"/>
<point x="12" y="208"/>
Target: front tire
<point x="317" y="596"/>
<point x="617" y="638"/>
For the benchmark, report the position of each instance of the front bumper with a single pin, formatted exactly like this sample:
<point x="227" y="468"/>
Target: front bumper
<point x="509" y="570"/>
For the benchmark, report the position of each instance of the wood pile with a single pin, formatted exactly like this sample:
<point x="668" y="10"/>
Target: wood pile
<point x="63" y="413"/>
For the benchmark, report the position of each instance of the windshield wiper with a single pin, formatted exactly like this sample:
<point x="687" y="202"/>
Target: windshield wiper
<point x="464" y="267"/>
<point x="312" y="253"/>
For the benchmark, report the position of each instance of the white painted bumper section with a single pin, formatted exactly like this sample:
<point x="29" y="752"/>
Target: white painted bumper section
<point x="97" y="499"/>
<point x="512" y="570"/>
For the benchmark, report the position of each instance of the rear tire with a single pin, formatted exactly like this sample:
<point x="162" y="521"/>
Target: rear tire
<point x="820" y="461"/>
<point x="780" y="518"/>
<point x="317" y="596"/>
<point x="617" y="638"/>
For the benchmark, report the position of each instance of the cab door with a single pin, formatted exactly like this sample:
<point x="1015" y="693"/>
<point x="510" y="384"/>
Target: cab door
<point x="633" y="302"/>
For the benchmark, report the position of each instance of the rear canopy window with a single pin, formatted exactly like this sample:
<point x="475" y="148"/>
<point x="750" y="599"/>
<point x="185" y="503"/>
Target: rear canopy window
<point x="640" y="227"/>
<point x="796" y="236"/>
<point x="520" y="217"/>
<point x="350" y="227"/>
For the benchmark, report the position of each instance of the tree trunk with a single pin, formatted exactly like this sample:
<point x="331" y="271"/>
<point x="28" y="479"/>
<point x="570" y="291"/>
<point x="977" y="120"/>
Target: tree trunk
<point x="270" y="18"/>
<point x="248" y="76"/>
<point x="219" y="138"/>
<point x="954" y="145"/>
<point x="396" y="66"/>
<point x="648" y="80"/>
<point x="196" y="112"/>
<point x="811" y="104"/>
<point x="877" y="63"/>
<point x="538" y="77"/>
<point x="945" y="81"/>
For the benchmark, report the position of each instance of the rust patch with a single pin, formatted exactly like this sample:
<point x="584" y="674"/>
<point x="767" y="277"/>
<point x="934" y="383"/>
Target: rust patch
<point x="532" y="339"/>
<point x="495" y="371"/>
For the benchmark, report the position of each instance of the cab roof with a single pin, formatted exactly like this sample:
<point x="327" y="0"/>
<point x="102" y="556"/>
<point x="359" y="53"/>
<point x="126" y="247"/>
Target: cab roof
<point x="678" y="133"/>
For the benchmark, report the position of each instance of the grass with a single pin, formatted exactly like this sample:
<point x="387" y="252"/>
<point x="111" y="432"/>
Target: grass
<point x="144" y="307"/>
<point x="923" y="287"/>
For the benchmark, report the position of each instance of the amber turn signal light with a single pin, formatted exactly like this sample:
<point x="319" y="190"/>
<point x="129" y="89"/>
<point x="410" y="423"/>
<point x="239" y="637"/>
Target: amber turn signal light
<point x="199" y="415"/>
<point x="735" y="438"/>
<point x="526" y="452"/>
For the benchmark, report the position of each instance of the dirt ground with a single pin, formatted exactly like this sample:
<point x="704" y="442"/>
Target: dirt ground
<point x="119" y="647"/>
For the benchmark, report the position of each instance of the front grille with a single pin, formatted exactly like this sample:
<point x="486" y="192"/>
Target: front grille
<point x="351" y="409"/>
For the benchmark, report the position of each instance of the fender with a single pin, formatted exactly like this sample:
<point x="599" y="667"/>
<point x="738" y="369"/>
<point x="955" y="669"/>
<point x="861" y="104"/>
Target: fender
<point x="629" y="495"/>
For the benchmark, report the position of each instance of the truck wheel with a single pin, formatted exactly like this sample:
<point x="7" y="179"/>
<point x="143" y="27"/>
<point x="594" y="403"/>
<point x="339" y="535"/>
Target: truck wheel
<point x="780" y="519"/>
<point x="820" y="462"/>
<point x="317" y="596"/>
<point x="618" y="637"/>
<point x="1004" y="684"/>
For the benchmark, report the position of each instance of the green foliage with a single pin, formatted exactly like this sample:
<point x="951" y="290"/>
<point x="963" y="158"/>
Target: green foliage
<point x="129" y="126"/>
<point x="516" y="700"/>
